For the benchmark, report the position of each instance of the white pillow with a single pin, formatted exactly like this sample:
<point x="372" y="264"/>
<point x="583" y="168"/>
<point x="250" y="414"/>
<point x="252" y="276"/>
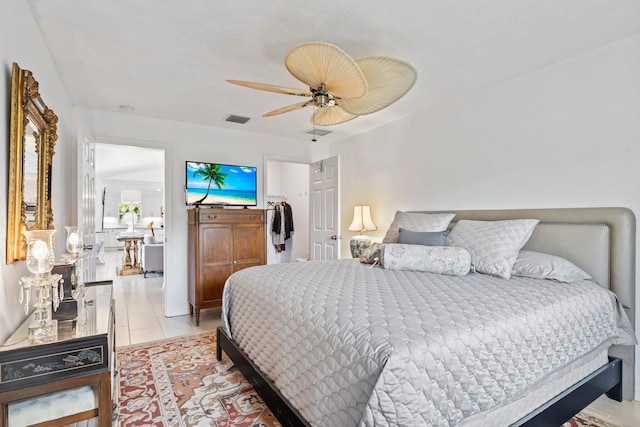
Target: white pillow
<point x="544" y="266"/>
<point x="494" y="245"/>
<point x="432" y="259"/>
<point x="416" y="221"/>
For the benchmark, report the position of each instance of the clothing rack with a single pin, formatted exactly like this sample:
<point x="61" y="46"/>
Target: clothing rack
<point x="281" y="221"/>
<point x="272" y="201"/>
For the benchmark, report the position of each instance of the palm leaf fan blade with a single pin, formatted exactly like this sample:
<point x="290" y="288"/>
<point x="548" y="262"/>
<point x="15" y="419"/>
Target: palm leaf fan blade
<point x="317" y="64"/>
<point x="389" y="80"/>
<point x="271" y="88"/>
<point x="292" y="107"/>
<point x="330" y="116"/>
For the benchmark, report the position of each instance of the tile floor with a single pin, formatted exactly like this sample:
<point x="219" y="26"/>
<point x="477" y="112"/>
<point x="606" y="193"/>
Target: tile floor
<point x="139" y="305"/>
<point x="623" y="414"/>
<point x="140" y="318"/>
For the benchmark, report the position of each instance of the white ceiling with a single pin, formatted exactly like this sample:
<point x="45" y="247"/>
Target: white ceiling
<point x="170" y="59"/>
<point x="142" y="167"/>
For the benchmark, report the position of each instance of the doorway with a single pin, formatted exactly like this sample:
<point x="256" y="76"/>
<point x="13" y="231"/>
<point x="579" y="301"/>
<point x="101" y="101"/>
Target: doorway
<point x="287" y="182"/>
<point x="120" y="172"/>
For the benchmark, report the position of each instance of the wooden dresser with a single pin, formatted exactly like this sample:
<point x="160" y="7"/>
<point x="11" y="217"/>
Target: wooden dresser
<point x="221" y="242"/>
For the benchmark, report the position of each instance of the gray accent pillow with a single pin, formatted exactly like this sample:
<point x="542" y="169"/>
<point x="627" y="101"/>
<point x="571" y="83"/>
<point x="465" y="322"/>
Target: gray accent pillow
<point x="539" y="265"/>
<point x="493" y="245"/>
<point x="417" y="221"/>
<point x="425" y="238"/>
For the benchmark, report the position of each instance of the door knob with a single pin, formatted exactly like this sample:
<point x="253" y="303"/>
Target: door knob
<point x="334" y="237"/>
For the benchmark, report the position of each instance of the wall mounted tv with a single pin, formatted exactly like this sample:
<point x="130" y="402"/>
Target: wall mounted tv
<point x="217" y="184"/>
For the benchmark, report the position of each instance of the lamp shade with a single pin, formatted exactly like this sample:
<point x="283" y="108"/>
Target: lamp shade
<point x="362" y="219"/>
<point x="40" y="255"/>
<point x="74" y="239"/>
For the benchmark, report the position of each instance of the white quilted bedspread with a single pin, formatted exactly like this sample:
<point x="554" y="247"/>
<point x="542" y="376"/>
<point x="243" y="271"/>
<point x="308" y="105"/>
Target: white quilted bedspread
<point x="350" y="345"/>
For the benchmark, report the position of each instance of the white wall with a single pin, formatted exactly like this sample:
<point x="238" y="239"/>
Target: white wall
<point x="182" y="142"/>
<point x="21" y="42"/>
<point x="292" y="181"/>
<point x="565" y="136"/>
<point x="152" y="197"/>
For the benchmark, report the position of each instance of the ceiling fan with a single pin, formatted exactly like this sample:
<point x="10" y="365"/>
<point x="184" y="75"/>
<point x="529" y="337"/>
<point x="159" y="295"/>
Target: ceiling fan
<point x="340" y="88"/>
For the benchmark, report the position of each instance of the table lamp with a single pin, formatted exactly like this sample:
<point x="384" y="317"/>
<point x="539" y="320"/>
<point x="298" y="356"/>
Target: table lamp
<point x="45" y="286"/>
<point x="361" y="222"/>
<point x="75" y="253"/>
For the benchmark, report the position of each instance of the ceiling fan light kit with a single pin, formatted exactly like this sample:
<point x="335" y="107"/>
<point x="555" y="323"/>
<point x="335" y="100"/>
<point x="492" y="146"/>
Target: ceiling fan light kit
<point x="340" y="88"/>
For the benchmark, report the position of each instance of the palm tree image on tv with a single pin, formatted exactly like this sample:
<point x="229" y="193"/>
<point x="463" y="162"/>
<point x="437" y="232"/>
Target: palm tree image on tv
<point x="212" y="173"/>
<point x="219" y="184"/>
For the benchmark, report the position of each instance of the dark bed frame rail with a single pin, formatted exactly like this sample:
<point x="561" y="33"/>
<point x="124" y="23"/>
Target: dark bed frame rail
<point x="277" y="403"/>
<point x="555" y="412"/>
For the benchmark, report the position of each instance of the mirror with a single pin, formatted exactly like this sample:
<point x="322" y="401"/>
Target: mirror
<point x="32" y="140"/>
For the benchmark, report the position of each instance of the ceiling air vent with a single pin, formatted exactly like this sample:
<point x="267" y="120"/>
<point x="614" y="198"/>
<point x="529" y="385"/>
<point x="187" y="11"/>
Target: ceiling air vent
<point x="318" y="132"/>
<point x="236" y="119"/>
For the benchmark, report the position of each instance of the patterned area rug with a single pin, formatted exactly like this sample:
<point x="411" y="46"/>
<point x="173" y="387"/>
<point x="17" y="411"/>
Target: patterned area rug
<point x="586" y="420"/>
<point x="179" y="382"/>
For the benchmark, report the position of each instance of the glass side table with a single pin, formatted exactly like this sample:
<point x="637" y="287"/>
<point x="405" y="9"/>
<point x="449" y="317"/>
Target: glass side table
<point x="82" y="353"/>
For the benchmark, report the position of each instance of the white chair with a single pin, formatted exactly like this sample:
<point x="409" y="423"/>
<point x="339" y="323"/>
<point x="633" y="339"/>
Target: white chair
<point x="151" y="256"/>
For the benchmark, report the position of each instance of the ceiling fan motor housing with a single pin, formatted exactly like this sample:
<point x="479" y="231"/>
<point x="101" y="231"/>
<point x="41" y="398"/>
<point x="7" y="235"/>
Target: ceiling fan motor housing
<point x="322" y="100"/>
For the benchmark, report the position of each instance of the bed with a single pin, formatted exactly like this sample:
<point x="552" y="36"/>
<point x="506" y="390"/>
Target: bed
<point x="341" y="343"/>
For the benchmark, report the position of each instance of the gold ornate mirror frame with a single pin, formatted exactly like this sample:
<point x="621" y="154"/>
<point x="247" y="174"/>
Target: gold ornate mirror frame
<point x="33" y="136"/>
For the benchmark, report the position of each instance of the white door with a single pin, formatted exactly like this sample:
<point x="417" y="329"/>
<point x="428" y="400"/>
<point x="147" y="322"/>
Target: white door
<point x="324" y="185"/>
<point x="86" y="269"/>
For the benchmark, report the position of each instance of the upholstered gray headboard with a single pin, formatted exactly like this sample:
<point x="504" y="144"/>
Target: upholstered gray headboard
<point x="601" y="241"/>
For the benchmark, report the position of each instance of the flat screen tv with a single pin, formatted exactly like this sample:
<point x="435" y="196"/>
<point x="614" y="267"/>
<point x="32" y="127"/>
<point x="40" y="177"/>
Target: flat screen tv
<point x="217" y="184"/>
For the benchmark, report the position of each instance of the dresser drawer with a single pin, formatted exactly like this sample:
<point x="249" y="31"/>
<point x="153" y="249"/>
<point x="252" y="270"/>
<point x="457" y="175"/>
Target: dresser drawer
<point x="230" y="217"/>
<point x="216" y="217"/>
<point x="257" y="217"/>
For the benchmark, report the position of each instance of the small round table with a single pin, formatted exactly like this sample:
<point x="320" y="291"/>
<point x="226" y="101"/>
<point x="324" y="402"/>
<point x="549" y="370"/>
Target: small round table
<point x="130" y="264"/>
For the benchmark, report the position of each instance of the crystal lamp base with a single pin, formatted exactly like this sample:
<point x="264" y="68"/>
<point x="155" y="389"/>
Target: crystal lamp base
<point x="41" y="332"/>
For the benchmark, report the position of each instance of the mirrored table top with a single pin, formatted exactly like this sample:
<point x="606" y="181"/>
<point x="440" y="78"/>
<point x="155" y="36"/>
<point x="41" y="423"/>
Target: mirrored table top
<point x="92" y="319"/>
